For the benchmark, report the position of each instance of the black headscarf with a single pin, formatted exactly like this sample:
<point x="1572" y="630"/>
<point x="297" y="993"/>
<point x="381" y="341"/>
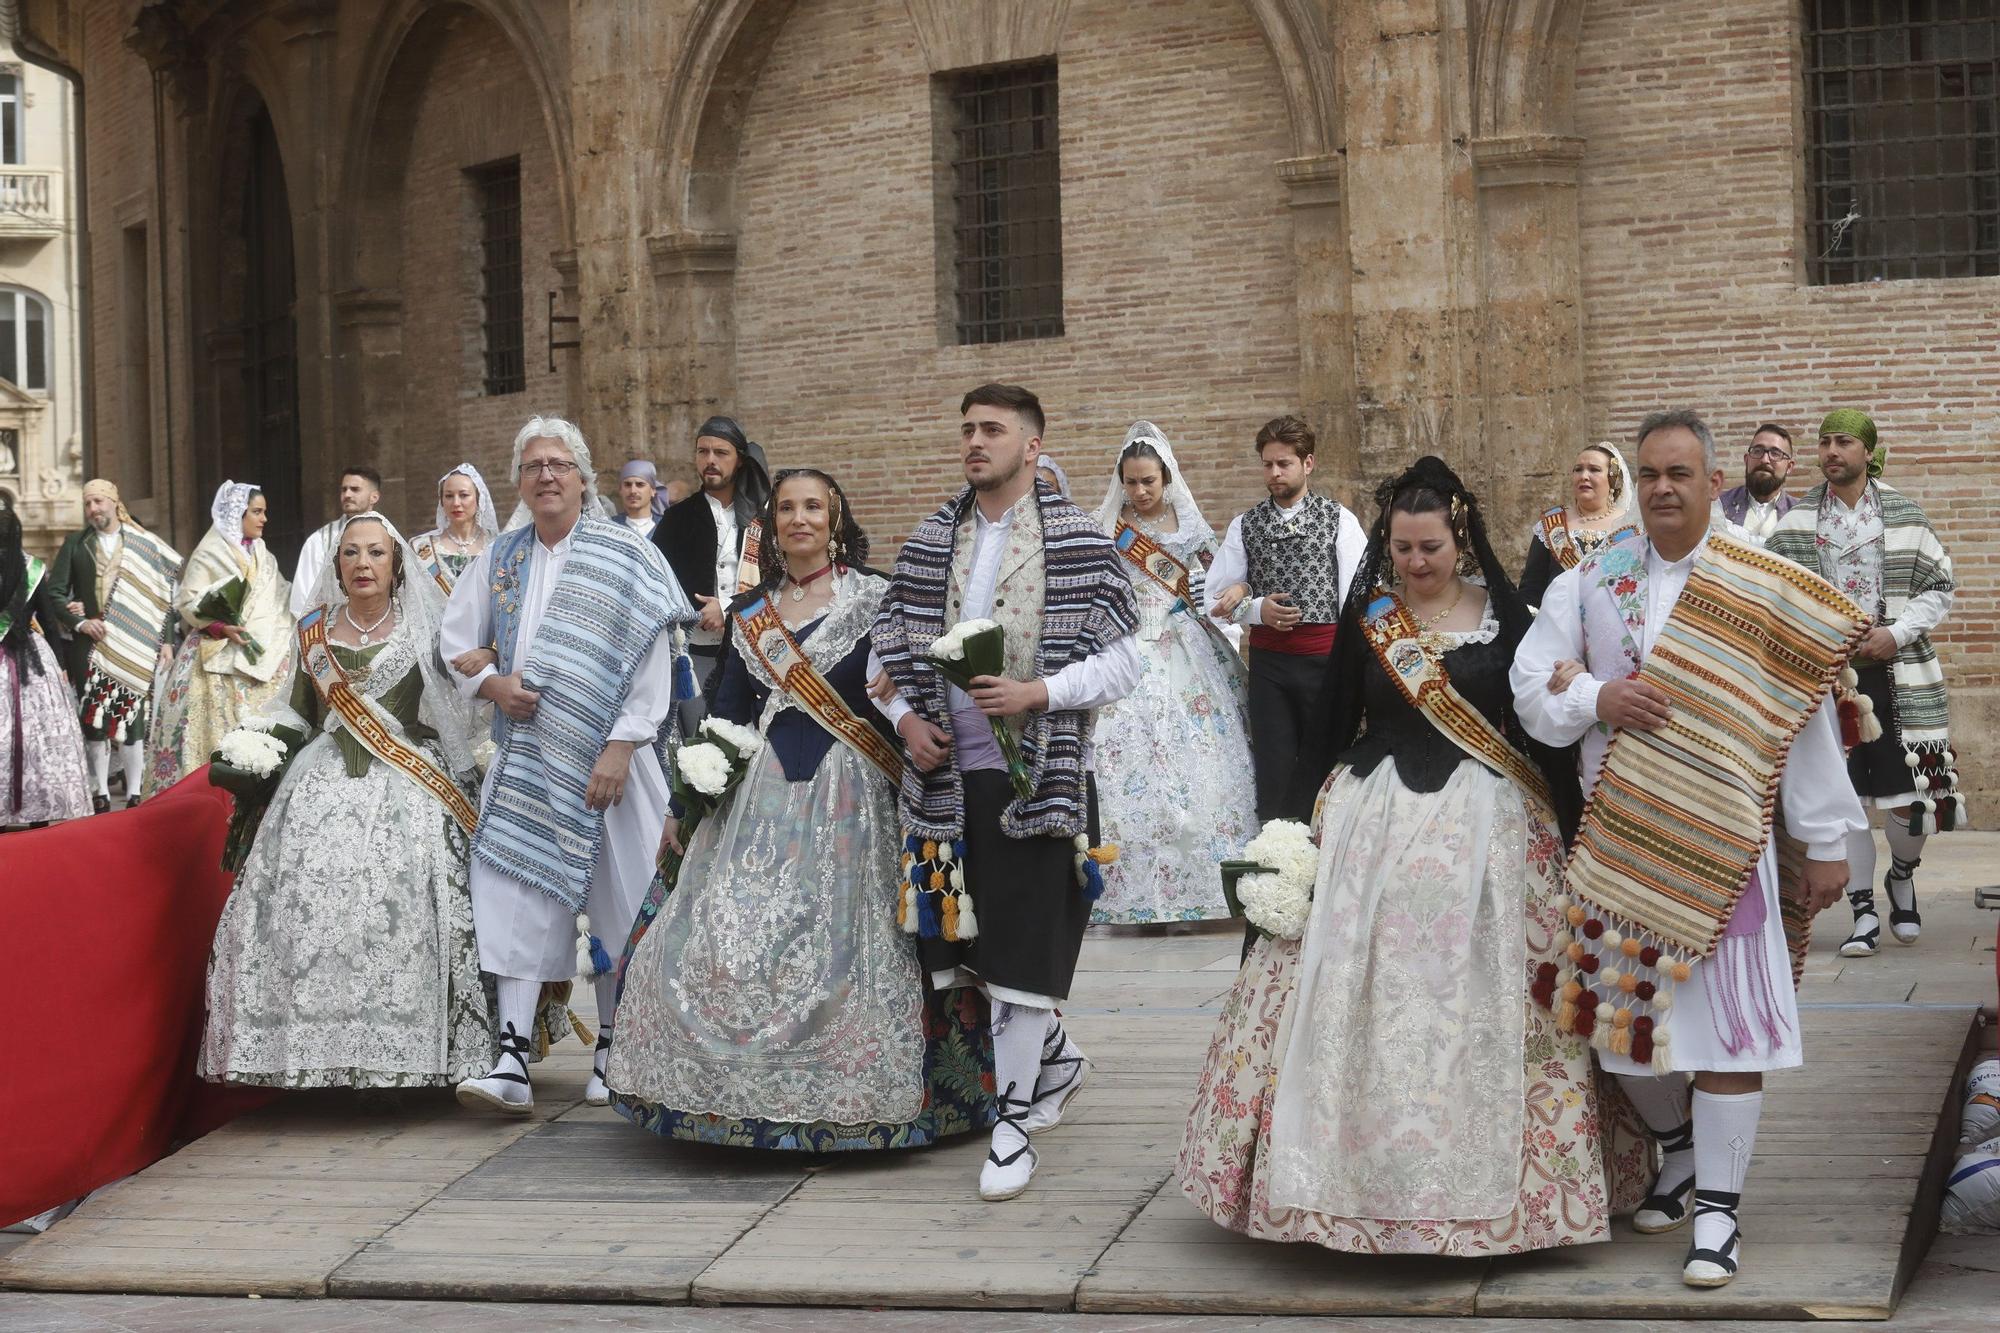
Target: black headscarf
<point x="19" y="643"/>
<point x="1341" y="702"/>
<point x="753" y="473"/>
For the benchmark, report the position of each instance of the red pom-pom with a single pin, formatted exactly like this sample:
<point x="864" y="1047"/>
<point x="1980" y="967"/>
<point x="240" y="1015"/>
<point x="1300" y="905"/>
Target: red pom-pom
<point x="1587" y="1001"/>
<point x="1649" y="956"/>
<point x="1642" y="1048"/>
<point x="1546" y="972"/>
<point x="1543" y="993"/>
<point x="1587" y="963"/>
<point x="1644" y="990"/>
<point x="1642" y="1025"/>
<point x="1593" y="928"/>
<point x="1586" y="1022"/>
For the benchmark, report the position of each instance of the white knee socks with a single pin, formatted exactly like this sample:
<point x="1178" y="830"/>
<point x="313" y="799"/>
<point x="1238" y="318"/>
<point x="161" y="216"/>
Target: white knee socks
<point x="133" y="758"/>
<point x="1905" y="850"/>
<point x="517" y="1005"/>
<point x="1663" y="1104"/>
<point x="98" y="753"/>
<point x="1019" y="1033"/>
<point x="1860" y="862"/>
<point x="1725" y="1134"/>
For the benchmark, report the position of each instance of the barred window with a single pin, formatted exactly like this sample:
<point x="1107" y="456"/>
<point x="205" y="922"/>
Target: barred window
<point x="1903" y="110"/>
<point x="1005" y="180"/>
<point x="497" y="192"/>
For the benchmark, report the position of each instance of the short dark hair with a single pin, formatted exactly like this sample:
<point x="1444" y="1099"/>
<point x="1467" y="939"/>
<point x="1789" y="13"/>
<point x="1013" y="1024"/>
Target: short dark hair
<point x="1288" y="430"/>
<point x="1010" y="396"/>
<point x="1772" y="428"/>
<point x="1680" y="419"/>
<point x="367" y="474"/>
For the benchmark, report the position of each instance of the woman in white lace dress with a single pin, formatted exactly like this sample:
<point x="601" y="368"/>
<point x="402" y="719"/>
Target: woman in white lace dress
<point x="770" y="1000"/>
<point x="345" y="955"/>
<point x="1172" y="755"/>
<point x="1386" y="1084"/>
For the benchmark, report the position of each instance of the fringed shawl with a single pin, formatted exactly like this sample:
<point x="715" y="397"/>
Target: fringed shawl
<point x="1088" y="605"/>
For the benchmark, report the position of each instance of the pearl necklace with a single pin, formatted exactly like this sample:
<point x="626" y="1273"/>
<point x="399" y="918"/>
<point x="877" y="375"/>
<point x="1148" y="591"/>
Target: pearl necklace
<point x="361" y="631"/>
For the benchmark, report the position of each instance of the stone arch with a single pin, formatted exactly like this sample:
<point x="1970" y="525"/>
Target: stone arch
<point x="729" y="40"/>
<point x="1524" y="67"/>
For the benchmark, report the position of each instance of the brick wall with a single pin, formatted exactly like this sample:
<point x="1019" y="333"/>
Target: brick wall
<point x="472" y="111"/>
<point x="1179" y="298"/>
<point x="1695" y="292"/>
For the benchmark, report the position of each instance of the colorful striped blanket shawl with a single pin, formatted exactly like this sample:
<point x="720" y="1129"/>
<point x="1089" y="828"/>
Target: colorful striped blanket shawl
<point x="1679" y="816"/>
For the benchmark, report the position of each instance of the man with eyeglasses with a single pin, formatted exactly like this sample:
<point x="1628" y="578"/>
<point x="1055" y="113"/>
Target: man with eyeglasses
<point x="1758" y="504"/>
<point x="566" y="625"/>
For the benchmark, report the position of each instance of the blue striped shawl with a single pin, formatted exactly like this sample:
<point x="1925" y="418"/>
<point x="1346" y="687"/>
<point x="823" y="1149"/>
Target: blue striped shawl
<point x="1087" y="606"/>
<point x="614" y="598"/>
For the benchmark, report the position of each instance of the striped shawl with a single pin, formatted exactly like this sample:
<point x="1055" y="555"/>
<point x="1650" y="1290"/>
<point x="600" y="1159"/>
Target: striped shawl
<point x="1913" y="562"/>
<point x="613" y="600"/>
<point x="1087" y="606"/>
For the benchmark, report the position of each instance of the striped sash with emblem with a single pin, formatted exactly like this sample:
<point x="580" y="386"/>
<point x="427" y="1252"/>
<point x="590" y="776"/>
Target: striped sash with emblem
<point x="766" y="637"/>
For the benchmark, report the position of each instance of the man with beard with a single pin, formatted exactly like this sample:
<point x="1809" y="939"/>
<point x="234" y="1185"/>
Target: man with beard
<point x="1758" y="504"/>
<point x="1876" y="545"/>
<point x="1010" y="549"/>
<point x="1692" y="673"/>
<point x="702" y="538"/>
<point x="1283" y="570"/>
<point x="570" y="618"/>
<point x="360" y="491"/>
<point x="116" y="581"/>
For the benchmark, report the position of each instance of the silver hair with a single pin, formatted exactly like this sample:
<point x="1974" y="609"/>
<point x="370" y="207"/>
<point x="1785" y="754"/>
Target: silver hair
<point x="566" y="434"/>
<point x="1688" y="420"/>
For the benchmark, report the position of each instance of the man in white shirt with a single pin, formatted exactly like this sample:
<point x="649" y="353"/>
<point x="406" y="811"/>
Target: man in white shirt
<point x="1283" y="570"/>
<point x="555" y="838"/>
<point x="1756" y="506"/>
<point x="360" y="491"/>
<point x="639" y="499"/>
<point x="1732" y="1012"/>
<point x="702" y="538"/>
<point x="1010" y="549"/>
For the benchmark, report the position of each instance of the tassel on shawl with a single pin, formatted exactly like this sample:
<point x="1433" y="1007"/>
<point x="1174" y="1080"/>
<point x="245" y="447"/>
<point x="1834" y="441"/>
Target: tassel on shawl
<point x="1613" y="990"/>
<point x="1940" y="806"/>
<point x="1089" y="866"/>
<point x="934" y="903"/>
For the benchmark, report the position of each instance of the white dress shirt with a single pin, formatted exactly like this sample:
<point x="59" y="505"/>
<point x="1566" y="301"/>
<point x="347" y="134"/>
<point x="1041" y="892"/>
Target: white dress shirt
<point x="1232" y="563"/>
<point x="313" y="557"/>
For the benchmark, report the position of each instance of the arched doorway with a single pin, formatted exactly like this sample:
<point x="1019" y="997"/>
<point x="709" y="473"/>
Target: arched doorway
<point x="269" y="428"/>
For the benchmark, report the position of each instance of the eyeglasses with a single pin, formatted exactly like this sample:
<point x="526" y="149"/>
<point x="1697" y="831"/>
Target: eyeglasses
<point x="556" y="468"/>
<point x="1767" y="451"/>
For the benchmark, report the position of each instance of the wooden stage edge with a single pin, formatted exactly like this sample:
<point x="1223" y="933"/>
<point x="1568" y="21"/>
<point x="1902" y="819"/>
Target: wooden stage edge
<point x="310" y="1198"/>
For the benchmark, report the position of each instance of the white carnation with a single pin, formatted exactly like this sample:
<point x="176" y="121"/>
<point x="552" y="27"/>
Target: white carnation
<point x="1286" y="846"/>
<point x="744" y="740"/>
<point x="252" y="751"/>
<point x="950" y="646"/>
<point x="704" y="768"/>
<point x="1275" y="904"/>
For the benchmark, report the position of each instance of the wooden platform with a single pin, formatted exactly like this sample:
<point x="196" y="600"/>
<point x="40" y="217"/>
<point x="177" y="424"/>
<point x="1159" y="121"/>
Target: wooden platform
<point x="315" y="1197"/>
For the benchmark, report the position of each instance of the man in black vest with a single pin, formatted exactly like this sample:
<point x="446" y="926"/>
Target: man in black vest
<point x="1283" y="570"/>
<point x="702" y="539"/>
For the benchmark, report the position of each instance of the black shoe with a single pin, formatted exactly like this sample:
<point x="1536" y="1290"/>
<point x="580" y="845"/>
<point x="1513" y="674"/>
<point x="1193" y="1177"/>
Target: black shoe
<point x="131" y="801"/>
<point x="99" y="804"/>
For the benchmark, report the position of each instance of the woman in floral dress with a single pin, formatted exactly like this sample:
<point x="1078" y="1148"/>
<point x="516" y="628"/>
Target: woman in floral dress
<point x="217" y="676"/>
<point x="1600" y="510"/>
<point x="1171" y="755"/>
<point x="42" y="773"/>
<point x="770" y="1000"/>
<point x="345" y="954"/>
<point x="1385" y="1083"/>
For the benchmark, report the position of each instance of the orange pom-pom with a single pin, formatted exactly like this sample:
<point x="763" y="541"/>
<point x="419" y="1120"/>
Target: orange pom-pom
<point x="930" y="850"/>
<point x="1571" y="990"/>
<point x="1679" y="970"/>
<point x="1628" y="983"/>
<point x="1630" y="948"/>
<point x="1622" y="1018"/>
<point x="1574" y="915"/>
<point x="937" y="879"/>
<point x="1575" y="951"/>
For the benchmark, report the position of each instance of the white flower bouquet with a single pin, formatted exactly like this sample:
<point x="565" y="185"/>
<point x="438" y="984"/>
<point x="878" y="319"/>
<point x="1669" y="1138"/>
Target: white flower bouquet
<point x="247" y="764"/>
<point x="974" y="648"/>
<point x="705" y="772"/>
<point x="1272" y="885"/>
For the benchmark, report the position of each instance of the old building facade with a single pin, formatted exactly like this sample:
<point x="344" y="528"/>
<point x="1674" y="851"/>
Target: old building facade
<point x="1493" y="229"/>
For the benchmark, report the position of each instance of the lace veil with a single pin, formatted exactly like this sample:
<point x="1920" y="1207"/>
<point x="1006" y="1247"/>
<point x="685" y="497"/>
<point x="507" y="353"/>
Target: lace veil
<point x="489" y="521"/>
<point x="1193" y="527"/>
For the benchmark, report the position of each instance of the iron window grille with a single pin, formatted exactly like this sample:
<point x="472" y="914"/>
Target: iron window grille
<point x="497" y="188"/>
<point x="1006" y="184"/>
<point x="1903" y="110"/>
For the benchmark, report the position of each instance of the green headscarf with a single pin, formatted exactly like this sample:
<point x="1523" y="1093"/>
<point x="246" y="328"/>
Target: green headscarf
<point x="1853" y="421"/>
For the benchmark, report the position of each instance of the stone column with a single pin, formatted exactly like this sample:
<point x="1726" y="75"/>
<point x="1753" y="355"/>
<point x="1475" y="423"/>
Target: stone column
<point x="1326" y="341"/>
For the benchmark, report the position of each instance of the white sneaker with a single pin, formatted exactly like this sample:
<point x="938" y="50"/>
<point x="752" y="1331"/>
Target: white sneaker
<point x="1061" y="1079"/>
<point x="506" y="1089"/>
<point x="1010" y="1162"/>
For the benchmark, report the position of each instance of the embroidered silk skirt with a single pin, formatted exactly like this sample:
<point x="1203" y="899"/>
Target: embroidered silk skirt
<point x="40" y="741"/>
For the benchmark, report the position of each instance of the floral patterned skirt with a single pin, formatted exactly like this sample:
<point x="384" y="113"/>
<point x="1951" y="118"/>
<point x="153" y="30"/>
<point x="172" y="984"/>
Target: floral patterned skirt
<point x="1583" y="1152"/>
<point x="39" y="733"/>
<point x="196" y="709"/>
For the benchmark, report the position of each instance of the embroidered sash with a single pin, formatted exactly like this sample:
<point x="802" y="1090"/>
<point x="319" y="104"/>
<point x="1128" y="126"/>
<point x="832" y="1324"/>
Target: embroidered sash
<point x="426" y="549"/>
<point x="770" y="641"/>
<point x="748" y="573"/>
<point x="317" y="659"/>
<point x="1677" y="822"/>
<point x="1556" y="536"/>
<point x="1396" y="639"/>
<point x="36" y="568"/>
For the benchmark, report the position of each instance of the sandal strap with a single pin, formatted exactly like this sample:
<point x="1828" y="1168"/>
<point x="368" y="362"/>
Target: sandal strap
<point x="515" y="1045"/>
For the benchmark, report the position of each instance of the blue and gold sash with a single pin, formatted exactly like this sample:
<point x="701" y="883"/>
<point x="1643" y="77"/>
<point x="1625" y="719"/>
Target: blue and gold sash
<point x="767" y="638"/>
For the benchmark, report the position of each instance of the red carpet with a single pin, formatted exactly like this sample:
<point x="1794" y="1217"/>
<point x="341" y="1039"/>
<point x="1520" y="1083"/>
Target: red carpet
<point x="105" y="926"/>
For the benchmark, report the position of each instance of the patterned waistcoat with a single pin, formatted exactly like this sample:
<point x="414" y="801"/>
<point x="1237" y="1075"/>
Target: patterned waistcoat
<point x="1296" y="556"/>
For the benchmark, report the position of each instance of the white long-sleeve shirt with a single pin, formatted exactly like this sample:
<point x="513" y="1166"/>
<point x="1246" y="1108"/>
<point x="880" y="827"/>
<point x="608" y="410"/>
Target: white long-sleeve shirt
<point x="1232" y="564"/>
<point x="313" y="558"/>
<point x="1097" y="680"/>
<point x="468" y="624"/>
